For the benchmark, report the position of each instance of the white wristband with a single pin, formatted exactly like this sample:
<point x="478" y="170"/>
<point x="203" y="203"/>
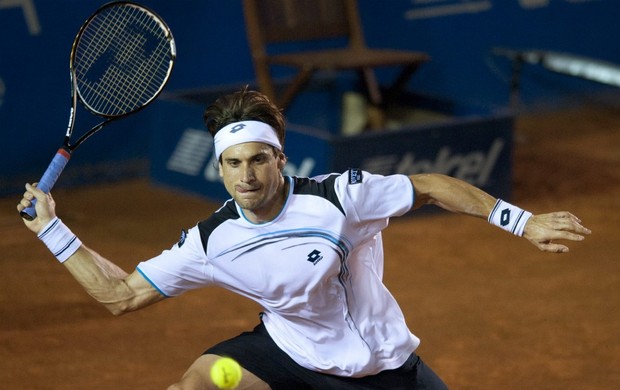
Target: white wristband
<point x="509" y="217"/>
<point x="59" y="239"/>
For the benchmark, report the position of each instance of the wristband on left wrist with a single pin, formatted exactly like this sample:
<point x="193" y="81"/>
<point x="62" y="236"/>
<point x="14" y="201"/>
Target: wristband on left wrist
<point x="509" y="217"/>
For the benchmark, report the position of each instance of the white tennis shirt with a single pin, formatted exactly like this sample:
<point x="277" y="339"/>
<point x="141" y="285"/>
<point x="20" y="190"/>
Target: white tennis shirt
<point x="316" y="269"/>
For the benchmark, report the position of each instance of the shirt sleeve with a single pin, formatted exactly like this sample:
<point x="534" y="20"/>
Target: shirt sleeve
<point x="181" y="268"/>
<point x="375" y="198"/>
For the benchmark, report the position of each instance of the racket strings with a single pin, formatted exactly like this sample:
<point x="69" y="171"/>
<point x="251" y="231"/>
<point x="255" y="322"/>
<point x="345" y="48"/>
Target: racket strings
<point x="122" y="60"/>
<point x="133" y="63"/>
<point x="99" y="88"/>
<point x="147" y="71"/>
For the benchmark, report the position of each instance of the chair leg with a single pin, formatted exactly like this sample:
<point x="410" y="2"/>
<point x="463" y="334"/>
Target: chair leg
<point x="372" y="86"/>
<point x="400" y="81"/>
<point x="263" y="77"/>
<point x="376" y="111"/>
<point x="376" y="117"/>
<point x="300" y="81"/>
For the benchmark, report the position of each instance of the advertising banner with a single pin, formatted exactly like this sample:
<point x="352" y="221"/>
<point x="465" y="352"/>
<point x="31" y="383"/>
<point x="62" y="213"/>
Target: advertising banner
<point x="477" y="150"/>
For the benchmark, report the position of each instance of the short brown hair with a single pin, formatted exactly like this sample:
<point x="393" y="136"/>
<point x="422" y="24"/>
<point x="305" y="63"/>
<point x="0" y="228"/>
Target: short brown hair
<point x="244" y="105"/>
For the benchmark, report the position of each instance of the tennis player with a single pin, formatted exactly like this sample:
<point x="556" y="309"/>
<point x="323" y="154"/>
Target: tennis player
<point x="308" y="250"/>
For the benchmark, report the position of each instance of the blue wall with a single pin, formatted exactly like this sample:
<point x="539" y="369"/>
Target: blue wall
<point x="213" y="52"/>
<point x="459" y="35"/>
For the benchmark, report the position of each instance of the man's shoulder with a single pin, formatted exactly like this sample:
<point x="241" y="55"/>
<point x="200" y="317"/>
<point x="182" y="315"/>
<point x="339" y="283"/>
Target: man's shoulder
<point x="225" y="213"/>
<point x="323" y="186"/>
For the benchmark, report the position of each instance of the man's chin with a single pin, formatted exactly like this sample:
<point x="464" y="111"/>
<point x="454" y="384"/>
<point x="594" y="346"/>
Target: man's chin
<point x="247" y="201"/>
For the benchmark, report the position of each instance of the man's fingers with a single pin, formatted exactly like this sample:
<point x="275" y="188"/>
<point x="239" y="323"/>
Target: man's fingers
<point x="581" y="229"/>
<point x="27" y="198"/>
<point x="552" y="247"/>
<point x="33" y="189"/>
<point x="23" y="204"/>
<point x="566" y="215"/>
<point x="549" y="246"/>
<point x="566" y="221"/>
<point x="33" y="192"/>
<point x="562" y="230"/>
<point x="566" y="235"/>
<point x="547" y="229"/>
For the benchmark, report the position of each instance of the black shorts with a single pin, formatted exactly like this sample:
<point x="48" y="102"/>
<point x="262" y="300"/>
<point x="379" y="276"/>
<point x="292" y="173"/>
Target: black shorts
<point x="258" y="353"/>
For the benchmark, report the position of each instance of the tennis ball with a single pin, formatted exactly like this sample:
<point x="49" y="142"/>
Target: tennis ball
<point x="226" y="373"/>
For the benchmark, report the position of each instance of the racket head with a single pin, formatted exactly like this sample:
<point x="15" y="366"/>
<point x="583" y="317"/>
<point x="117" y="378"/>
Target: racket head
<point x="121" y="59"/>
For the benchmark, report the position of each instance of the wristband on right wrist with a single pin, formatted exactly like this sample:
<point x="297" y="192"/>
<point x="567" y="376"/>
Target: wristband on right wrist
<point x="509" y="217"/>
<point x="59" y="239"/>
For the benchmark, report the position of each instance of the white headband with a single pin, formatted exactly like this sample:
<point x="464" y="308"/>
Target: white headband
<point x="242" y="132"/>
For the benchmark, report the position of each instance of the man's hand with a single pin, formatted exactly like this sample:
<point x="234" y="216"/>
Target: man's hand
<point x="45" y="207"/>
<point x="543" y="229"/>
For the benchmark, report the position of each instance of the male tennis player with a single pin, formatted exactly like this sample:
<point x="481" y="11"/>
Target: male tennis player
<point x="308" y="250"/>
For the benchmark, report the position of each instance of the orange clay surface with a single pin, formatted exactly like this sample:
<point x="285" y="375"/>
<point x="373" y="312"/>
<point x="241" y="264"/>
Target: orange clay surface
<point x="492" y="311"/>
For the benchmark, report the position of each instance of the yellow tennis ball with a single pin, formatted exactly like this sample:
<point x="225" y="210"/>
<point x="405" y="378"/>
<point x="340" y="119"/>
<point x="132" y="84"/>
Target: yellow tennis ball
<point x="226" y="373"/>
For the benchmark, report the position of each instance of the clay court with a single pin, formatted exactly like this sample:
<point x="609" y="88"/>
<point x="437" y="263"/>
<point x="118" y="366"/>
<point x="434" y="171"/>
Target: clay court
<point x="492" y="311"/>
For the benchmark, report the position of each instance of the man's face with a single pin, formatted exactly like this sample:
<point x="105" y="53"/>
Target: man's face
<point x="252" y="176"/>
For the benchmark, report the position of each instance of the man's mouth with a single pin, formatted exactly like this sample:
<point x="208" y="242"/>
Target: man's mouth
<point x="242" y="190"/>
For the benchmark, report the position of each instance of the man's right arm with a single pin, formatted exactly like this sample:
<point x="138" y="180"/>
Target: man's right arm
<point x="107" y="283"/>
<point x="117" y="290"/>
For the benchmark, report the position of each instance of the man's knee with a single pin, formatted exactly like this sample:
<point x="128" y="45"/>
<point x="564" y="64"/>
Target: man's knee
<point x="192" y="381"/>
<point x="176" y="386"/>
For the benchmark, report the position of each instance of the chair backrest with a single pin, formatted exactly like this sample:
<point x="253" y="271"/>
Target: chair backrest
<point x="279" y="21"/>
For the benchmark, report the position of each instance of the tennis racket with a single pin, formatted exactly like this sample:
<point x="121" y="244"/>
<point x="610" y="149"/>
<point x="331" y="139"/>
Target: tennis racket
<point x="121" y="59"/>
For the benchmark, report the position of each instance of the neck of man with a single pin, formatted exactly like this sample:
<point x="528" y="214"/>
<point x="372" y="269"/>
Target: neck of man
<point x="266" y="214"/>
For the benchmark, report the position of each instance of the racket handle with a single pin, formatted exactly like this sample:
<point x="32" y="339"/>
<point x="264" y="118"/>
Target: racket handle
<point x="48" y="180"/>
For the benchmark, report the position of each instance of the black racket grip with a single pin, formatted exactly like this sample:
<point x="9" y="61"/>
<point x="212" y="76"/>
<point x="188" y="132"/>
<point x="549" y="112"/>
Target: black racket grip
<point x="48" y="180"/>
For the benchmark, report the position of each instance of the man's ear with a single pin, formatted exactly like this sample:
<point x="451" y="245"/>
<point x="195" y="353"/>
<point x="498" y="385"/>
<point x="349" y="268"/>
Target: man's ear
<point x="281" y="160"/>
<point x="220" y="169"/>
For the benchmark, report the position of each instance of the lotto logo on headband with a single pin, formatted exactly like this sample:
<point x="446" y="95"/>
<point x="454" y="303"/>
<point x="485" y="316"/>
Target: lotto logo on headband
<point x="237" y="128"/>
<point x="254" y="131"/>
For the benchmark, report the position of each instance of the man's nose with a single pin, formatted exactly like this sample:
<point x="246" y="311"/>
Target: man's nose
<point x="247" y="173"/>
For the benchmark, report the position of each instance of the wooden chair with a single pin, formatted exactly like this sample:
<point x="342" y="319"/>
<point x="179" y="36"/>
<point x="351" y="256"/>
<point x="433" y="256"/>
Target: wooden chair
<point x="273" y="22"/>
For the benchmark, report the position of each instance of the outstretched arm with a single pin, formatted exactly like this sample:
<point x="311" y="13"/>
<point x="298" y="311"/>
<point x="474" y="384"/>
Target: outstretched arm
<point x="117" y="290"/>
<point x="455" y="195"/>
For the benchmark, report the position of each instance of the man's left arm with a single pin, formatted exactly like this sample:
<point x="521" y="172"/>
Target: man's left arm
<point x="458" y="196"/>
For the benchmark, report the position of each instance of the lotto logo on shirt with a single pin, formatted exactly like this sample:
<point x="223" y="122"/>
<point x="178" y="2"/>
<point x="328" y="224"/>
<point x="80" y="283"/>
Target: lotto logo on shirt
<point x="315" y="256"/>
